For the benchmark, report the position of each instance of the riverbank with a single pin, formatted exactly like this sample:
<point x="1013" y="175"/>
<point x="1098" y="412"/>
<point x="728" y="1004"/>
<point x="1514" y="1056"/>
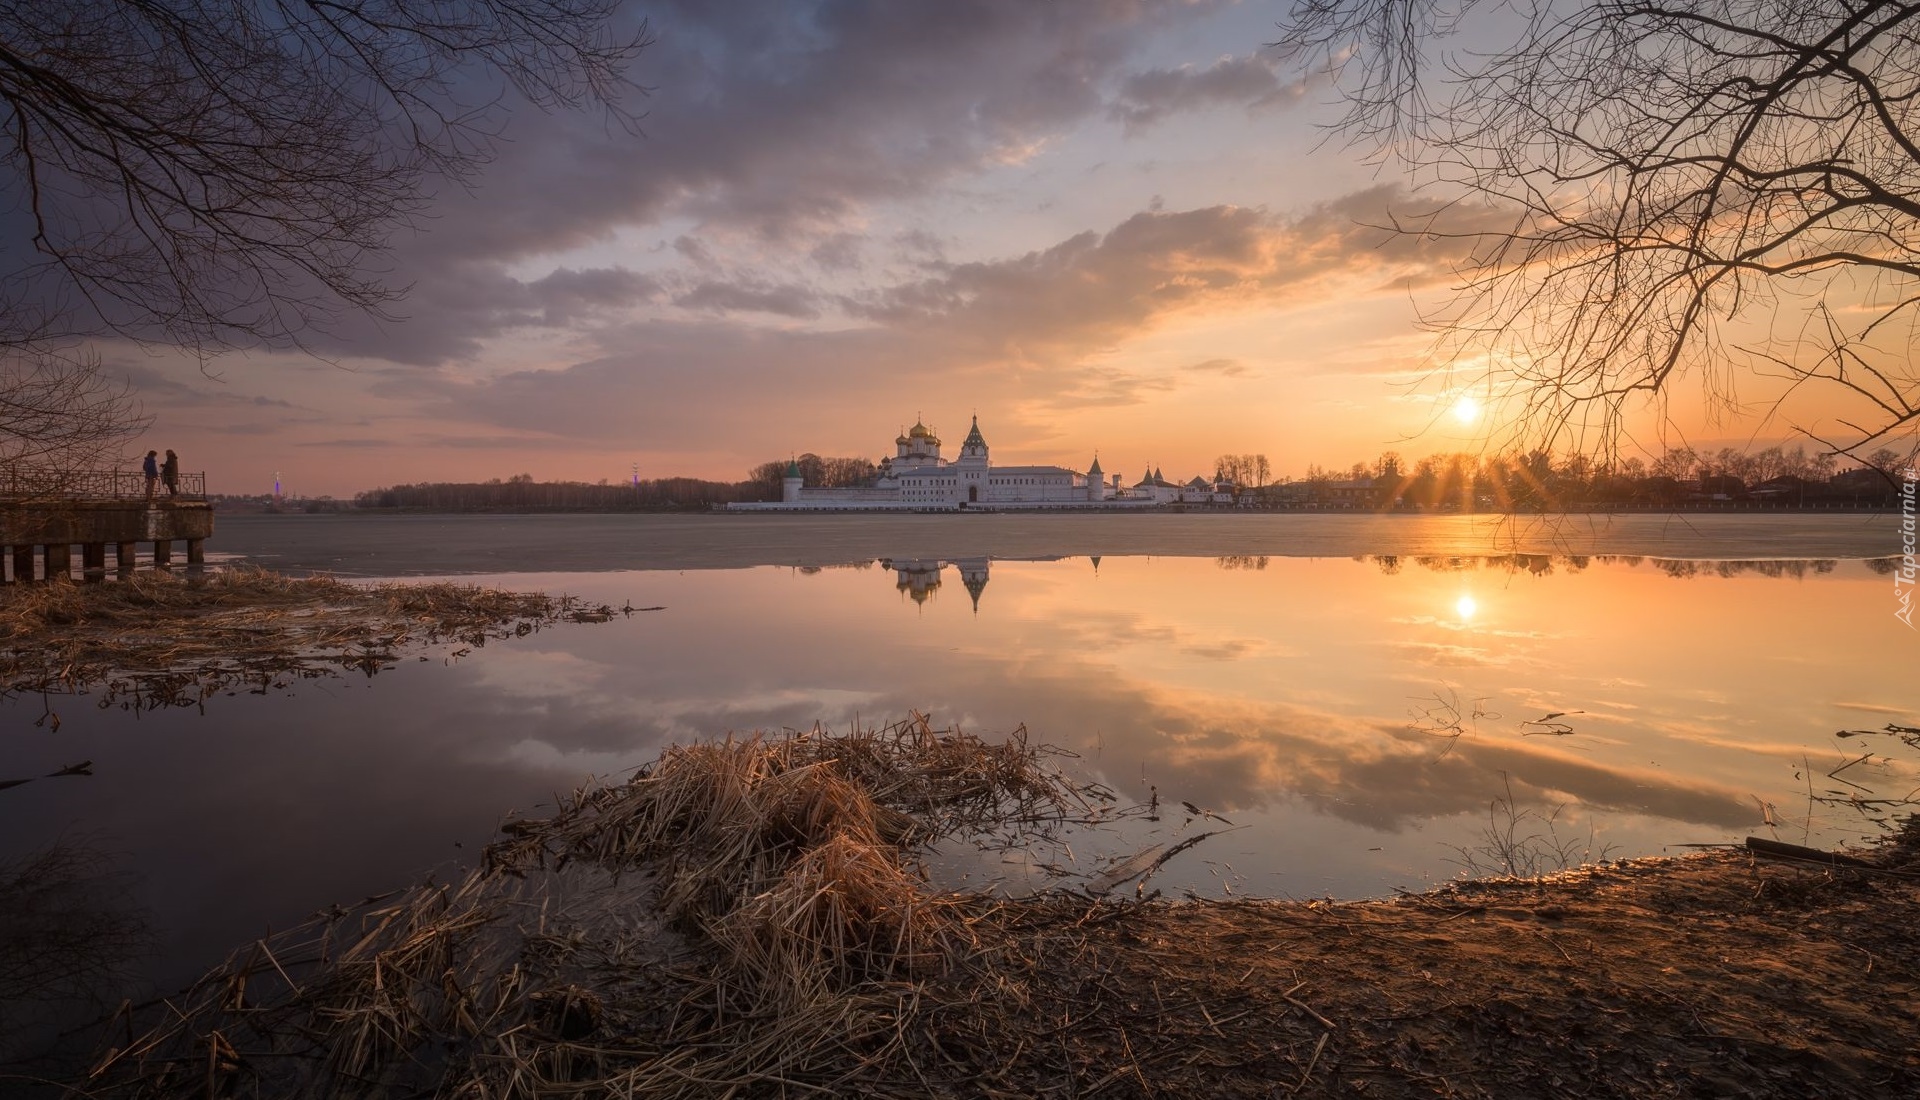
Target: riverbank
<point x="746" y="917"/>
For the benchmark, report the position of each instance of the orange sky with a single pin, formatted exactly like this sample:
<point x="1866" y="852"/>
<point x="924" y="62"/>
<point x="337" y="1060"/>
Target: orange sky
<point x="1103" y="227"/>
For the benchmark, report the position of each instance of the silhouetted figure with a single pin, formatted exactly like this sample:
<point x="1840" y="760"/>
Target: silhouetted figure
<point x="170" y="474"/>
<point x="151" y="468"/>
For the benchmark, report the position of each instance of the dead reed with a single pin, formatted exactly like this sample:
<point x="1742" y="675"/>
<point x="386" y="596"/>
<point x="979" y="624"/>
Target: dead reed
<point x="747" y="916"/>
<point x="156" y="639"/>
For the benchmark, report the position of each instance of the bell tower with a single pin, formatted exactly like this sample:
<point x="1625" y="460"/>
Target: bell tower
<point x="972" y="466"/>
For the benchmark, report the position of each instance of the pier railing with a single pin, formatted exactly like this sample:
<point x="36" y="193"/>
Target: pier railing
<point x="24" y="483"/>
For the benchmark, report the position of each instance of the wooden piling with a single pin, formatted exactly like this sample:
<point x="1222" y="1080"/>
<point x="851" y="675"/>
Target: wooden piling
<point x="125" y="554"/>
<point x="59" y="561"/>
<point x="93" y="561"/>
<point x="162" y="553"/>
<point x="23" y="562"/>
<point x="196" y="551"/>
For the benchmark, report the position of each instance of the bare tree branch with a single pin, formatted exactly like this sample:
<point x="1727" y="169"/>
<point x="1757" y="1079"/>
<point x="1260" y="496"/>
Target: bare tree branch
<point x="1682" y="172"/>
<point x="210" y="174"/>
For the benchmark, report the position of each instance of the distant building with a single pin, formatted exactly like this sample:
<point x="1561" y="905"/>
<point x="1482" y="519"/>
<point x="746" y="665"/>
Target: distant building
<point x="917" y="477"/>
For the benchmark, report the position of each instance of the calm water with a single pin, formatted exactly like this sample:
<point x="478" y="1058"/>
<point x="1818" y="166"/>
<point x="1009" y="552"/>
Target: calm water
<point x="1357" y="717"/>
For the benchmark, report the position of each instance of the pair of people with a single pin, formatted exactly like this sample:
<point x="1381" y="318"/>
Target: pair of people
<point x="168" y="472"/>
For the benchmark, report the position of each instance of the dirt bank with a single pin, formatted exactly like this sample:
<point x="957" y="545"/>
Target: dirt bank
<point x="1715" y="975"/>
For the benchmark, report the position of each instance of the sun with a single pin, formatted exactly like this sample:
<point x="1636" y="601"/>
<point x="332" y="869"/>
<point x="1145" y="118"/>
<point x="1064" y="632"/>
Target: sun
<point x="1467" y="409"/>
<point x="1465" y="607"/>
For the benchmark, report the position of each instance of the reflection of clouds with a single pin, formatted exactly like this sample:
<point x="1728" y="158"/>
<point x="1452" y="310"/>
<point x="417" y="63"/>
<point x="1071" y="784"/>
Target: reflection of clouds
<point x="1103" y="630"/>
<point x="1458" y="624"/>
<point x="539" y="674"/>
<point x="1235" y="754"/>
<point x="548" y="757"/>
<point x="1442" y="654"/>
<point x="1783" y="750"/>
<point x="1226" y="649"/>
<point x="1876" y="708"/>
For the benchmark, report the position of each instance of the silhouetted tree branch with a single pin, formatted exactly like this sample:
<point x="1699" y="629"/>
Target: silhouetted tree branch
<point x="1700" y="187"/>
<point x="217" y="172"/>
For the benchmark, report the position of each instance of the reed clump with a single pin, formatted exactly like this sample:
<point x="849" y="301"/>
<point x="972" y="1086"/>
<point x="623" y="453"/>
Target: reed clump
<point x="747" y="916"/>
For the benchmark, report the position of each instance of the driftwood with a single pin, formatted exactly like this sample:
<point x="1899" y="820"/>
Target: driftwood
<point x="1779" y="850"/>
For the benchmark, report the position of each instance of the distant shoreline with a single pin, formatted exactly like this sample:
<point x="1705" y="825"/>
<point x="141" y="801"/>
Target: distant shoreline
<point x="328" y="508"/>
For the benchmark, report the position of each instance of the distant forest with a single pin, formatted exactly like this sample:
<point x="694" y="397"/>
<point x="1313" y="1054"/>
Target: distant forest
<point x="521" y="493"/>
<point x="1777" y="475"/>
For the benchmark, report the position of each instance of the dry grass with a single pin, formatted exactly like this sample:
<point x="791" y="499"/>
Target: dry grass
<point x="747" y="918"/>
<point x="158" y="639"/>
<point x="746" y="915"/>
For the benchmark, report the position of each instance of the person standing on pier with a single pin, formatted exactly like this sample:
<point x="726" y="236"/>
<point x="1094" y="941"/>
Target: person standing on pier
<point x="152" y="469"/>
<point x="170" y="474"/>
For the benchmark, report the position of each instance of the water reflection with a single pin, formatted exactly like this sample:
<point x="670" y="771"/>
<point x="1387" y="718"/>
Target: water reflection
<point x="1359" y="717"/>
<point x="1540" y="565"/>
<point x="919" y="578"/>
<point x="70" y="940"/>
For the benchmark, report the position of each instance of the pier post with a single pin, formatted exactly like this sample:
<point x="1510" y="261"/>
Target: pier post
<point x="57" y="531"/>
<point x="196" y="551"/>
<point x="93" y="561"/>
<point x="59" y="561"/>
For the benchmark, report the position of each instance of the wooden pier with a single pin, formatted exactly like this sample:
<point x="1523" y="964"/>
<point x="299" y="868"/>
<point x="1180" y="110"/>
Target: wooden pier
<point x="41" y="529"/>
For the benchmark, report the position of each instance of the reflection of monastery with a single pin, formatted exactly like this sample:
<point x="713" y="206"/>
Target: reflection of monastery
<point x="919" y="578"/>
<point x="918" y="478"/>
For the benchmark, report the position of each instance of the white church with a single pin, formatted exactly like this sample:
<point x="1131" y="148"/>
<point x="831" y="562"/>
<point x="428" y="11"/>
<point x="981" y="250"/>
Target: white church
<point x="918" y="478"/>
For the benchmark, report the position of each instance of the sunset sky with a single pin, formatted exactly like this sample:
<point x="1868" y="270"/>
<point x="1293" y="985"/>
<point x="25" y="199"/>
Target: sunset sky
<point x="1109" y="227"/>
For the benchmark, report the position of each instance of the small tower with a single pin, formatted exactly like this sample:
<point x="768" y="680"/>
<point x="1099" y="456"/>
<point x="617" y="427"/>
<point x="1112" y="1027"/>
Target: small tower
<point x="973" y="574"/>
<point x="1096" y="485"/>
<point x="790" y="484"/>
<point x="972" y="466"/>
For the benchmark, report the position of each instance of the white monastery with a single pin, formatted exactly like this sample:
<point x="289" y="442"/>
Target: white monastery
<point x="918" y="478"/>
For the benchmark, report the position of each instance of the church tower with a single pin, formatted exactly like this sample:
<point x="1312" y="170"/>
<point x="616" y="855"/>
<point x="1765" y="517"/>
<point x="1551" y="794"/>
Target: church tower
<point x="972" y="466"/>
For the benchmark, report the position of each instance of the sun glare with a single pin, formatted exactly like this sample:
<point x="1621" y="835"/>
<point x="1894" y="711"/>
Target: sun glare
<point x="1466" y="410"/>
<point x="1466" y="606"/>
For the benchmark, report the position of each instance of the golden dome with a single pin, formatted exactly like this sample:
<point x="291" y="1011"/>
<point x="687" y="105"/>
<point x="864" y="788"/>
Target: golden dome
<point x="920" y="431"/>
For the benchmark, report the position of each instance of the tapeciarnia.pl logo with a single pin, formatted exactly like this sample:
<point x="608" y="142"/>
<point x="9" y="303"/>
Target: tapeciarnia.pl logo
<point x="1903" y="577"/>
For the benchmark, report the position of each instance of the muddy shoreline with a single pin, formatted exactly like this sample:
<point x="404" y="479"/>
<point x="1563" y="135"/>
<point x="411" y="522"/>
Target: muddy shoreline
<point x="1710" y="975"/>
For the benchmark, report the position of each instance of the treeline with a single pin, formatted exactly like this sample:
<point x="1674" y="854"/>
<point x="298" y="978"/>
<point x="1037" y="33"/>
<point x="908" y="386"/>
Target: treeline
<point x="1542" y="480"/>
<point x="1243" y="469"/>
<point x="522" y="493"/>
<point x="820" y="473"/>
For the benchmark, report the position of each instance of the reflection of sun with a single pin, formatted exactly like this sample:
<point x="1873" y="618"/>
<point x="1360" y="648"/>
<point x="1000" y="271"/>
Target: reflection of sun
<point x="1466" y="606"/>
<point x="1466" y="410"/>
